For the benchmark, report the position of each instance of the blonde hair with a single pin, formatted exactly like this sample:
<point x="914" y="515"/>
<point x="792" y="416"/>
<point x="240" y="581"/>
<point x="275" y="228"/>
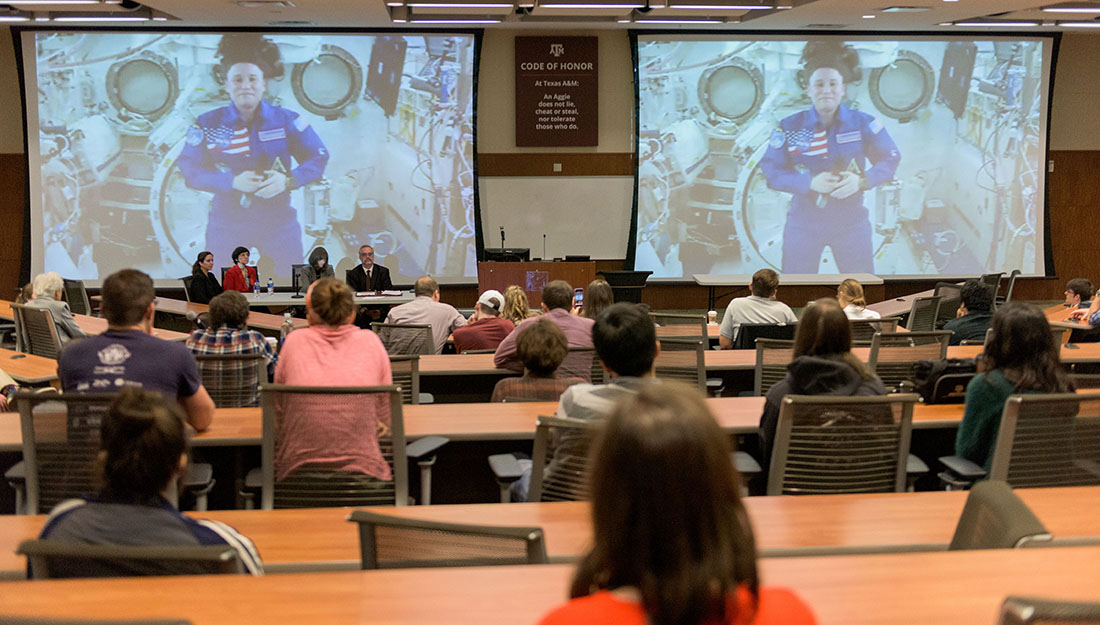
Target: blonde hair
<point x="516" y="308"/>
<point x="852" y="291"/>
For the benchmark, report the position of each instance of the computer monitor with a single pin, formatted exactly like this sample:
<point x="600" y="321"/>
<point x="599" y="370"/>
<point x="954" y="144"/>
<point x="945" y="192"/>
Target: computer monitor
<point x="508" y="254"/>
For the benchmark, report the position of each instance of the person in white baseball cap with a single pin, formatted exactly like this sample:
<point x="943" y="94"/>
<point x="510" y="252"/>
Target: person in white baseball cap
<point x="485" y="328"/>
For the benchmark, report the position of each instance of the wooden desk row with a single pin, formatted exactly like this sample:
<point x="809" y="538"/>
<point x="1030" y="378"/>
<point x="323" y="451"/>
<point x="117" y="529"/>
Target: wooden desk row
<point x="95" y="325"/>
<point x="258" y="320"/>
<point x="901" y="589"/>
<point x="482" y="421"/>
<point x="322" y="538"/>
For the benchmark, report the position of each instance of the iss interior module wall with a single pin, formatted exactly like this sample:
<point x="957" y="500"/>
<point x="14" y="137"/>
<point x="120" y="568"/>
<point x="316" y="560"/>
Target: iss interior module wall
<point x="960" y="125"/>
<point x="112" y="113"/>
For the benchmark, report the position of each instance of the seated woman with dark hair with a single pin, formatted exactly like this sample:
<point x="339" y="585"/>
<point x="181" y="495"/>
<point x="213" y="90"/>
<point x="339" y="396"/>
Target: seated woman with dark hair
<point x="823" y="365"/>
<point x="228" y="332"/>
<point x="204" y="285"/>
<point x="144" y="450"/>
<point x="1020" y="357"/>
<point x="241" y="276"/>
<point x="672" y="543"/>
<point x="541" y="348"/>
<point x="317" y="268"/>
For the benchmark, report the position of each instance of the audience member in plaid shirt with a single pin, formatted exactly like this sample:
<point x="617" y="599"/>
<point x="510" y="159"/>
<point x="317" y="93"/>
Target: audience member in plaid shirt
<point x="541" y="348"/>
<point x="228" y="332"/>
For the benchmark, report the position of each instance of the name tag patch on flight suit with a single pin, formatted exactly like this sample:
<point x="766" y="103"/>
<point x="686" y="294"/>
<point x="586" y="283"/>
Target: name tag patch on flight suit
<point x="848" y="137"/>
<point x="272" y="135"/>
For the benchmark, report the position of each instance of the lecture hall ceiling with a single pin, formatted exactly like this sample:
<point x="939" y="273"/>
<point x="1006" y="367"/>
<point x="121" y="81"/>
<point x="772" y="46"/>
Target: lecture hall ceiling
<point x="849" y="15"/>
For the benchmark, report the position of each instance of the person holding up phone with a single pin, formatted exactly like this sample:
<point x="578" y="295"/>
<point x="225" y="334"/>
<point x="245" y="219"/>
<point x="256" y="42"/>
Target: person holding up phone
<point x="598" y="295"/>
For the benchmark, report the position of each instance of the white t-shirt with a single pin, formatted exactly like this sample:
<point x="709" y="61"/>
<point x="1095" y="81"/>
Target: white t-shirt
<point x="753" y="309"/>
<point x="855" y="312"/>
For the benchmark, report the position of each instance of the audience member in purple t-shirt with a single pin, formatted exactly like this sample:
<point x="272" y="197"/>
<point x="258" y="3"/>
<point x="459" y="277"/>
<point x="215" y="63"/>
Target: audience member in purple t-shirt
<point x="128" y="355"/>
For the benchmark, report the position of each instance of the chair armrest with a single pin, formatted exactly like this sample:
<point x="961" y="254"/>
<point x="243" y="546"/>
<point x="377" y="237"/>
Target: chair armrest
<point x="198" y="475"/>
<point x="963" y="468"/>
<point x="424" y="446"/>
<point x="254" y="480"/>
<point x="17" y="475"/>
<point x="744" y="463"/>
<point x="915" y="466"/>
<point x="505" y="467"/>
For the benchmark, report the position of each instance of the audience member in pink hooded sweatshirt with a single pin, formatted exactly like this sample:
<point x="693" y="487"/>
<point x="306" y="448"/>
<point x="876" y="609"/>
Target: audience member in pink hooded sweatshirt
<point x="332" y="352"/>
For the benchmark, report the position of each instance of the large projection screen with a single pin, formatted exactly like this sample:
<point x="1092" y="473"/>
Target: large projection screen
<point x="904" y="157"/>
<point x="141" y="152"/>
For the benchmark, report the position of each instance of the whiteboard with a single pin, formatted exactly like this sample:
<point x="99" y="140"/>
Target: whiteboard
<point x="578" y="214"/>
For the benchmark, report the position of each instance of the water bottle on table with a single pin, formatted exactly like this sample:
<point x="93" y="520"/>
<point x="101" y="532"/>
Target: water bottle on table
<point x="256" y="287"/>
<point x="288" y="327"/>
<point x="270" y="286"/>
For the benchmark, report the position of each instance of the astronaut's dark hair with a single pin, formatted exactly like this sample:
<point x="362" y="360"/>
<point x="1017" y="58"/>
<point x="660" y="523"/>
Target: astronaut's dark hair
<point x="248" y="48"/>
<point x="831" y="53"/>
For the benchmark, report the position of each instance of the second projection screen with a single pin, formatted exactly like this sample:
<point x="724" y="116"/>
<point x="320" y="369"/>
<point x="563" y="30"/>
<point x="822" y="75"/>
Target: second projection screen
<point x="910" y="157"/>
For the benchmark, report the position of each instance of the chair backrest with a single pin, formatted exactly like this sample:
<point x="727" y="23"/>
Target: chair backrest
<point x="995" y="518"/>
<point x="77" y="296"/>
<point x="682" y="359"/>
<point x="233" y="380"/>
<point x="388" y="542"/>
<point x="671" y="324"/>
<point x="295" y="278"/>
<point x="863" y="330"/>
<point x="826" y="444"/>
<point x="1085" y="380"/>
<point x="406" y="375"/>
<point x="1059" y="334"/>
<point x="1048" y="440"/>
<point x="583" y="363"/>
<point x="950" y="295"/>
<point x="225" y="269"/>
<point x="405" y="338"/>
<point x="561" y="475"/>
<point x="923" y="314"/>
<point x="893" y="354"/>
<point x="40" y="336"/>
<point x="187" y="280"/>
<point x="60" y="445"/>
<point x="1011" y="284"/>
<point x="992" y="280"/>
<point x="327" y="423"/>
<point x="772" y="358"/>
<point x="51" y="559"/>
<point x="747" y="333"/>
<point x="1032" y="611"/>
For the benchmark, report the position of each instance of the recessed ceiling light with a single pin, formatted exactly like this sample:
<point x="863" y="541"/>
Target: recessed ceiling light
<point x="868" y="17"/>
<point x="1079" y="24"/>
<point x="904" y="9"/>
<point x="1072" y="8"/>
<point x="1006" y="24"/>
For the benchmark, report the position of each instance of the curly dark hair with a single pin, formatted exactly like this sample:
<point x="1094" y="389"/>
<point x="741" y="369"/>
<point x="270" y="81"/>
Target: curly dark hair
<point x="248" y="48"/>
<point x="835" y="54"/>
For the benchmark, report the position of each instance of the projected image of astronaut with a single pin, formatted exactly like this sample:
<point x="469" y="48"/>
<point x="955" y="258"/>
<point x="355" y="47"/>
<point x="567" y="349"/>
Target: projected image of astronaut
<point x="826" y="157"/>
<point x="245" y="153"/>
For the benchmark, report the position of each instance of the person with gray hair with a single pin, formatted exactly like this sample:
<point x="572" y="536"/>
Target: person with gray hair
<point x="47" y="294"/>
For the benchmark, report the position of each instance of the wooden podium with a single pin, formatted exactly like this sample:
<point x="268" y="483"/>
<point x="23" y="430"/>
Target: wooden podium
<point x="533" y="276"/>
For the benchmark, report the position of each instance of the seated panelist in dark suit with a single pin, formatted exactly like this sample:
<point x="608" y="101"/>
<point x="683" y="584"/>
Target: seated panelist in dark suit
<point x="368" y="276"/>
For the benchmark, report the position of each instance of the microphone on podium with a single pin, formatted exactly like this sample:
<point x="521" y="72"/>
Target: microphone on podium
<point x="196" y="320"/>
<point x="502" y="237"/>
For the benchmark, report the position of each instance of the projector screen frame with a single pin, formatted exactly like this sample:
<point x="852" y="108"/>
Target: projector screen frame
<point x="19" y="30"/>
<point x="1053" y="39"/>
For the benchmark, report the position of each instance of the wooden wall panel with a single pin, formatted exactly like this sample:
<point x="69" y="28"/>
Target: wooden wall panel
<point x="542" y="164"/>
<point x="13" y="200"/>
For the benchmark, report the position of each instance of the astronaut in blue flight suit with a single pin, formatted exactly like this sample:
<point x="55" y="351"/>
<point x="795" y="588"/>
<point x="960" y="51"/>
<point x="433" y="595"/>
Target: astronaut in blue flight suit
<point x="242" y="153"/>
<point x="819" y="156"/>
